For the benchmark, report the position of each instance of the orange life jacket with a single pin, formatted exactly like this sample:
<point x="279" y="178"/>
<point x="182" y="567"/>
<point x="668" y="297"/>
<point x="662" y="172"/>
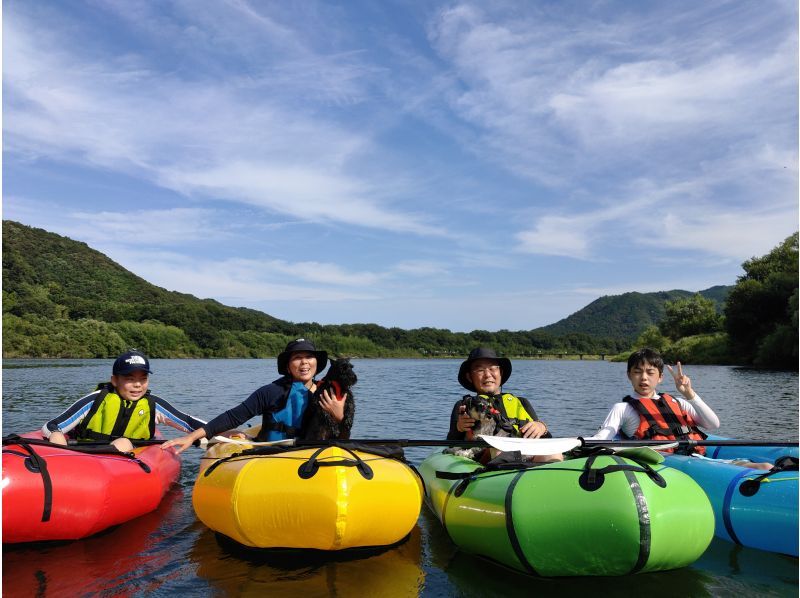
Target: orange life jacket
<point x="663" y="419"/>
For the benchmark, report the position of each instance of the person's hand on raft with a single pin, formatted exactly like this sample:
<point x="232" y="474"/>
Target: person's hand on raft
<point x="183" y="442"/>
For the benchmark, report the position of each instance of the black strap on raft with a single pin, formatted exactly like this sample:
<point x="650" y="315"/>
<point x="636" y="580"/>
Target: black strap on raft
<point x="310" y="468"/>
<point x="592" y="478"/>
<point x="35" y="463"/>
<point x="93" y="449"/>
<point x="750" y="487"/>
<point x="507" y="462"/>
<point x="388" y="451"/>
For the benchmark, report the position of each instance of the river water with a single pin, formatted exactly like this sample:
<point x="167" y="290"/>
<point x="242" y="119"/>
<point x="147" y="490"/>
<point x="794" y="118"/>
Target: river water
<point x="170" y="553"/>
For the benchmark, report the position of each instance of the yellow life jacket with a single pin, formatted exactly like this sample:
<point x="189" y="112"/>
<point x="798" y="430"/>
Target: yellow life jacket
<point x="511" y="407"/>
<point x="112" y="417"/>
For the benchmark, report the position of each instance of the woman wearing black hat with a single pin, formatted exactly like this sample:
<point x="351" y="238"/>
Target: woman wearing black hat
<point x="484" y="373"/>
<point x="280" y="403"/>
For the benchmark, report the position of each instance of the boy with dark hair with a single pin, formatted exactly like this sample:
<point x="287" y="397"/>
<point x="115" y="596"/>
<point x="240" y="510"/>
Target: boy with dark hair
<point x="119" y="410"/>
<point x="650" y="415"/>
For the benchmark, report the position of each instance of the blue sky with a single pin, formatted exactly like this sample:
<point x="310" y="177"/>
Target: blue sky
<point x="462" y="165"/>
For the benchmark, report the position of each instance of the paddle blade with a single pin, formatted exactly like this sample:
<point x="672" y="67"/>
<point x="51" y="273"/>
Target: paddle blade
<point x="531" y="446"/>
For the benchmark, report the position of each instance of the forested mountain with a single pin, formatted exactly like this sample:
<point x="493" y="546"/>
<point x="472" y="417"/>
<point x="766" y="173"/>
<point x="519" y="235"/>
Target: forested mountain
<point x="628" y="314"/>
<point x="62" y="298"/>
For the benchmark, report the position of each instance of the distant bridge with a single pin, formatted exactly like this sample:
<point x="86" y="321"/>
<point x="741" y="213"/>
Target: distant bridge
<point x="581" y="356"/>
<point x="532" y="355"/>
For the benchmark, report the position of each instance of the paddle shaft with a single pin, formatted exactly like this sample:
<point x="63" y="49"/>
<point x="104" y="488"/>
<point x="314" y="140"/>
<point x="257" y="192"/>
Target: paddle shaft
<point x="632" y="443"/>
<point x="584" y="442"/>
<point x="473" y="443"/>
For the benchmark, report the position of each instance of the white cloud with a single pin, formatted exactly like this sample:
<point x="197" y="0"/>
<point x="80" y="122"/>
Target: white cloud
<point x="175" y="226"/>
<point x="558" y="235"/>
<point x="244" y="281"/>
<point x="637" y="94"/>
<point x="658" y="101"/>
<point x="235" y="139"/>
<point x="692" y="216"/>
<point x="421" y="268"/>
<point x="303" y="192"/>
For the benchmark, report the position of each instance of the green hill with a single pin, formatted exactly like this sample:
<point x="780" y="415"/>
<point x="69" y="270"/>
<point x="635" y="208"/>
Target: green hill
<point x="627" y="315"/>
<point x="61" y="298"/>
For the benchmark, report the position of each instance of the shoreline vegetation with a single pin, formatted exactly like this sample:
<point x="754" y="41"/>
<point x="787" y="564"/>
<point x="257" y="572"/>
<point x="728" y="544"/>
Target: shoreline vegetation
<point x="62" y="299"/>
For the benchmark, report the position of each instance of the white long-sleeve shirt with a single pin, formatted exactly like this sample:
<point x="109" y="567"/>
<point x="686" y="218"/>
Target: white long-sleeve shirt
<point x="623" y="418"/>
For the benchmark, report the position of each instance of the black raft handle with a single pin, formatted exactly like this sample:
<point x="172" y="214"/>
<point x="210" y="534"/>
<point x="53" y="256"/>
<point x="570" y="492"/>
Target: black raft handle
<point x="309" y="469"/>
<point x="751" y="487"/>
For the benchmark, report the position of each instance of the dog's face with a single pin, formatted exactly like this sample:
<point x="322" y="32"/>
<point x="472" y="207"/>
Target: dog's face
<point x="486" y="417"/>
<point x="341" y="370"/>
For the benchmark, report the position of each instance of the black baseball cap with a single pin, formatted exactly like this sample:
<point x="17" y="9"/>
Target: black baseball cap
<point x="130" y="361"/>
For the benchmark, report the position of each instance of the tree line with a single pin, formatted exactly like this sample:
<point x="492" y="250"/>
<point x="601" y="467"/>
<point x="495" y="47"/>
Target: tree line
<point x="64" y="299"/>
<point x="758" y="326"/>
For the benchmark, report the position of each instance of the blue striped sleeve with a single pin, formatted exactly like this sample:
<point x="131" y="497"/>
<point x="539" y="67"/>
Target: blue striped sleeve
<point x="167" y="414"/>
<point x="70" y="418"/>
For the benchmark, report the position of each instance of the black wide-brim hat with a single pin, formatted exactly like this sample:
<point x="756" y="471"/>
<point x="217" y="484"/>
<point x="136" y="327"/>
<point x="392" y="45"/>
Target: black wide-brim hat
<point x="483" y="353"/>
<point x="297" y="346"/>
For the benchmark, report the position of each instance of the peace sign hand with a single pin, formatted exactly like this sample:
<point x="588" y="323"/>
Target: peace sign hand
<point x="682" y="382"/>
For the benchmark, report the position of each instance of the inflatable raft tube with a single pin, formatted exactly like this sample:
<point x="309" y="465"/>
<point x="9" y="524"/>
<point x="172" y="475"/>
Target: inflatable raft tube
<point x="327" y="498"/>
<point x="52" y="492"/>
<point x="603" y="515"/>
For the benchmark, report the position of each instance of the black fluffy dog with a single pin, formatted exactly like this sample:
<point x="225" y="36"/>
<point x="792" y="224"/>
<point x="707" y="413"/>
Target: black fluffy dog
<point x="318" y="423"/>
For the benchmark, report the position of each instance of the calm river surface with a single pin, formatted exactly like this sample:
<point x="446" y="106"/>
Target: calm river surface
<point x="170" y="553"/>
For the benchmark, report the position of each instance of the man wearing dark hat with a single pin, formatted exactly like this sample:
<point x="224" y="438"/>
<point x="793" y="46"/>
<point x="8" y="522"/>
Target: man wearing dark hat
<point x="484" y="373"/>
<point x="280" y="403"/>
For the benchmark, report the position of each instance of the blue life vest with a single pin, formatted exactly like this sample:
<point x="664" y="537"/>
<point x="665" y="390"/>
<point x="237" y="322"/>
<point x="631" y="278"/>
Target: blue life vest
<point x="286" y="422"/>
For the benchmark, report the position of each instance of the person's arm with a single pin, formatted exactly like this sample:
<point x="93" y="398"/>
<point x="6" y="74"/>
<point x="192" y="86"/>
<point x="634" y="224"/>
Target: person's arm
<point x="700" y="412"/>
<point x="56" y="429"/>
<point x="535" y="428"/>
<point x="253" y="405"/>
<point x="184" y="442"/>
<point x="58" y="438"/>
<point x="256" y="404"/>
<point x="694" y="406"/>
<point x="168" y="414"/>
<point x="622" y="418"/>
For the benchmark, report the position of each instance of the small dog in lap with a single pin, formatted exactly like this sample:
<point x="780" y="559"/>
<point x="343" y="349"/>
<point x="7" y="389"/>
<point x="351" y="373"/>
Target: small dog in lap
<point x="489" y="422"/>
<point x="318" y="423"/>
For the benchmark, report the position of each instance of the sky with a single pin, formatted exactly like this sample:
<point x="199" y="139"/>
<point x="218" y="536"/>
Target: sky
<point x="462" y="165"/>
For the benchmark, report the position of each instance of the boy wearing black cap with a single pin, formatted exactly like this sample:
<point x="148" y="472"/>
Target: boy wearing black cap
<point x="118" y="410"/>
<point x="281" y="403"/>
<point x="484" y="373"/>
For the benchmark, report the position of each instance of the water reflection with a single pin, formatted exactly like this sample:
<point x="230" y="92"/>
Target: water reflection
<point x="103" y="563"/>
<point x="238" y="571"/>
<point x="169" y="553"/>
